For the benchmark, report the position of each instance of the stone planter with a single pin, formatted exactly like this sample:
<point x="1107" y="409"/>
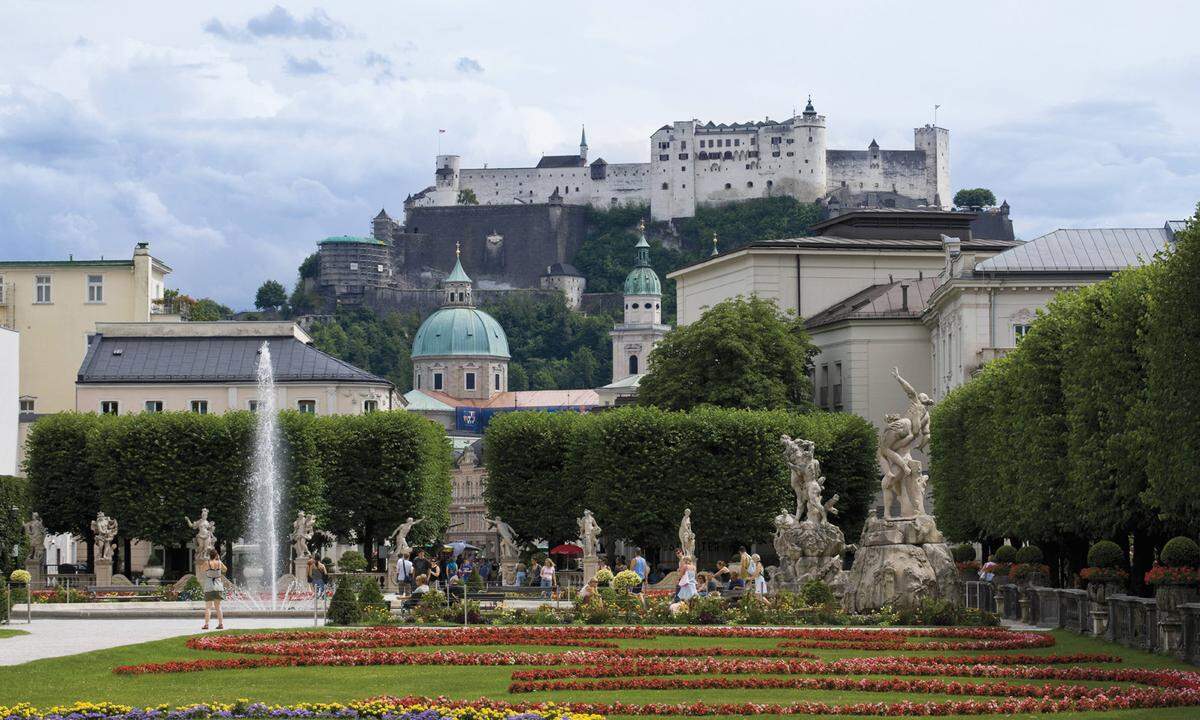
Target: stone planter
<point x="153" y="574"/>
<point x="1098" y="594"/>
<point x="1169" y="597"/>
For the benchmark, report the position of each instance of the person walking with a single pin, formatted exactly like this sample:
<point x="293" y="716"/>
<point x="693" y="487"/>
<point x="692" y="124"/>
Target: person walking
<point x="756" y="576"/>
<point x="404" y="574"/>
<point x="641" y="568"/>
<point x="686" y="588"/>
<point x="213" y="583"/>
<point x="317" y="575"/>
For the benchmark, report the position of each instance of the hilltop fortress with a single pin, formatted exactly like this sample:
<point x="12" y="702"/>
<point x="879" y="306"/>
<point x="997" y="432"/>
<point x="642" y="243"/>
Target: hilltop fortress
<point x="694" y="163"/>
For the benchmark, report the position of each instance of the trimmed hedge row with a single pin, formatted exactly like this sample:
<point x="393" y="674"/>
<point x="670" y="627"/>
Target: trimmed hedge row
<point x="638" y="468"/>
<point x="1089" y="429"/>
<point x="357" y="473"/>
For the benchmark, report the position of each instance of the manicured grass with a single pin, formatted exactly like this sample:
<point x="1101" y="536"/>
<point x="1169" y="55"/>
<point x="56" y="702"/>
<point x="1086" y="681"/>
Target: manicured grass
<point x="89" y="676"/>
<point x="8" y="632"/>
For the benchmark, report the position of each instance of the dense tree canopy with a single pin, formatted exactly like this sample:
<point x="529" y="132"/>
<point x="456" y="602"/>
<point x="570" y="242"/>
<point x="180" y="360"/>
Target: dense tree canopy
<point x="271" y="295"/>
<point x="742" y="353"/>
<point x="378" y="343"/>
<point x="974" y="198"/>
<point x="14" y="511"/>
<point x="555" y="347"/>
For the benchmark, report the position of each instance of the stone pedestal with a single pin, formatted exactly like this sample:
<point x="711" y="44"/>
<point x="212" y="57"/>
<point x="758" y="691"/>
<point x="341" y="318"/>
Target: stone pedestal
<point x="508" y="572"/>
<point x="899" y="562"/>
<point x="1099" y="621"/>
<point x="300" y="568"/>
<point x="389" y="574"/>
<point x="104" y="573"/>
<point x="37" y="573"/>
<point x="590" y="566"/>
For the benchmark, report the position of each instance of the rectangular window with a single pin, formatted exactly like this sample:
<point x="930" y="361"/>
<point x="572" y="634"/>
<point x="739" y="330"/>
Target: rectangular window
<point x="27" y="405"/>
<point x="1019" y="332"/>
<point x="42" y="285"/>
<point x="307" y="406"/>
<point x="370" y="406"/>
<point x="1" y="289"/>
<point x="253" y="406"/>
<point x="379" y="268"/>
<point x="824" y="396"/>
<point x="109" y="407"/>
<point x="437" y="381"/>
<point x="154" y="406"/>
<point x="664" y="157"/>
<point x="353" y="266"/>
<point x="418" y="382"/>
<point x="496" y="382"/>
<point x="200" y="407"/>
<point x="683" y="144"/>
<point x="837" y="386"/>
<point x="469" y="381"/>
<point x="95" y="291"/>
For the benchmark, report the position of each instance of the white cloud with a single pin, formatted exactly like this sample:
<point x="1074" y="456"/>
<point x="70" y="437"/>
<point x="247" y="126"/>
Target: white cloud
<point x="468" y="66"/>
<point x="304" y="66"/>
<point x="278" y="22"/>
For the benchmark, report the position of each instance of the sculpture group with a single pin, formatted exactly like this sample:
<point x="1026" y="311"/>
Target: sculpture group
<point x="807" y="544"/>
<point x="903" y="482"/>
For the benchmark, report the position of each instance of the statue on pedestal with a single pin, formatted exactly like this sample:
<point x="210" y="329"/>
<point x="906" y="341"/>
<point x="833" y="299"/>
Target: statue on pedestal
<point x="399" y="536"/>
<point x="902" y="477"/>
<point x="105" y="529"/>
<point x="205" y="538"/>
<point x="508" y="539"/>
<point x="589" y="534"/>
<point x="808" y="545"/>
<point x="687" y="538"/>
<point x="302" y="531"/>
<point x="35" y="535"/>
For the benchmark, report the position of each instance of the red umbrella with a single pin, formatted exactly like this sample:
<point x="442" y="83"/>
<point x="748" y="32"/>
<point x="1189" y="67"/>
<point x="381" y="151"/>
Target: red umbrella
<point x="566" y="549"/>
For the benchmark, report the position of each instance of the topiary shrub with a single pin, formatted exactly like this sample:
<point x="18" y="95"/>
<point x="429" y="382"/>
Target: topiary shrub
<point x="1180" y="552"/>
<point x="352" y="561"/>
<point x="1106" y="554"/>
<point x="1029" y="555"/>
<point x="370" y="600"/>
<point x="343" y="606"/>
<point x="963" y="553"/>
<point x="1005" y="554"/>
<point x="475" y="581"/>
<point x="625" y="581"/>
<point x="815" y="593"/>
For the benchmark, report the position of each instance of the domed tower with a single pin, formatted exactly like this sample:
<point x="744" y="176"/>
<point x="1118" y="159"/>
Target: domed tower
<point x="636" y="337"/>
<point x="460" y="350"/>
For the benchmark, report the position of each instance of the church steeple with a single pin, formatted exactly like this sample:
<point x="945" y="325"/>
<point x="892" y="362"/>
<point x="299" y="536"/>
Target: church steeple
<point x="583" y="143"/>
<point x="458" y="285"/>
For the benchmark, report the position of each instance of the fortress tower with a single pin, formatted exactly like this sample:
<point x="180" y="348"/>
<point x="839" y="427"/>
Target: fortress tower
<point x="935" y="142"/>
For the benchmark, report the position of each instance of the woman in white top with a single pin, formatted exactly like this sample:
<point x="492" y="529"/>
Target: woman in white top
<point x="755" y="569"/>
<point x="686" y="589"/>
<point x="212" y="581"/>
<point x="422" y="585"/>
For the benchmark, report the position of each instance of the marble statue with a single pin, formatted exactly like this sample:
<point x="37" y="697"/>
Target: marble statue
<point x="35" y="534"/>
<point x="508" y="539"/>
<point x="903" y="481"/>
<point x="399" y="536"/>
<point x="206" y="535"/>
<point x="589" y="534"/>
<point x="687" y="538"/>
<point x="902" y="558"/>
<point x="807" y="544"/>
<point x="105" y="528"/>
<point x="302" y="531"/>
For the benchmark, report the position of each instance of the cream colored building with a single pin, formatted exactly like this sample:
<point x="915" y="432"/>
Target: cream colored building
<point x="209" y="367"/>
<point x="55" y="305"/>
<point x="10" y="343"/>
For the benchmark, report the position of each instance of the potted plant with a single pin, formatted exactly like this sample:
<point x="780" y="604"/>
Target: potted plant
<point x="154" y="569"/>
<point x="1175" y="576"/>
<point x="1027" y="567"/>
<point x="1004" y="557"/>
<point x="1105" y="574"/>
<point x="964" y="560"/>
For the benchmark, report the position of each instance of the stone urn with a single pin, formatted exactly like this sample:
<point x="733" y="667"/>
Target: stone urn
<point x="1168" y="597"/>
<point x="153" y="574"/>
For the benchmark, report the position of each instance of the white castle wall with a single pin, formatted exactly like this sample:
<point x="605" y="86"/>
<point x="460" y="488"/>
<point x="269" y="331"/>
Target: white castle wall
<point x="693" y="164"/>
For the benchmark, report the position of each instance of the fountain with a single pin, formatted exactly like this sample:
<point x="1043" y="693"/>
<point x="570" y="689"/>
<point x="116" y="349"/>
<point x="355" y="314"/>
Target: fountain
<point x="263" y="519"/>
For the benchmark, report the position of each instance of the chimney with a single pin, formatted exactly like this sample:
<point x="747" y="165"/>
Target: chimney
<point x="904" y="296"/>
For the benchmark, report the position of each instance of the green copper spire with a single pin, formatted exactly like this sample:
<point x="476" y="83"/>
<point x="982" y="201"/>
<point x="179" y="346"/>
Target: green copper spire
<point x="642" y="280"/>
<point x="458" y="274"/>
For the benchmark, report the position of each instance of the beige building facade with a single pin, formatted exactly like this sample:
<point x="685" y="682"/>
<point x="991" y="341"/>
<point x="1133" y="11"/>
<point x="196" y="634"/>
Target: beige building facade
<point x="55" y="306"/>
<point x="209" y="367"/>
<point x="10" y="344"/>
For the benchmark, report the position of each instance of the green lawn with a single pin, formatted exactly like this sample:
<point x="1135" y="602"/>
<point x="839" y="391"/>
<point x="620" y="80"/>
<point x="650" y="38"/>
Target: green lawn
<point x="7" y="633"/>
<point x="89" y="676"/>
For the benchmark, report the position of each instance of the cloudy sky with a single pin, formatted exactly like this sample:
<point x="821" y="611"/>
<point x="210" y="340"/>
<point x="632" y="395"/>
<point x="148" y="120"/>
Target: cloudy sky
<point x="234" y="135"/>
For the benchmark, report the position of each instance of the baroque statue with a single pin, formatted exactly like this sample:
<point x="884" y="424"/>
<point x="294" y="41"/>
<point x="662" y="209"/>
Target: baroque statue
<point x="35" y="534"/>
<point x="302" y="531"/>
<point x="903" y="480"/>
<point x="589" y="534"/>
<point x="206" y="535"/>
<point x="808" y="545"/>
<point x="105" y="528"/>
<point x="399" y="536"/>
<point x="687" y="538"/>
<point x="508" y="540"/>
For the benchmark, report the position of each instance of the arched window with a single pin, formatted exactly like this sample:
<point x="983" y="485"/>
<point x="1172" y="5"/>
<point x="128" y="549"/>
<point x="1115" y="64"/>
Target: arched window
<point x="633" y="365"/>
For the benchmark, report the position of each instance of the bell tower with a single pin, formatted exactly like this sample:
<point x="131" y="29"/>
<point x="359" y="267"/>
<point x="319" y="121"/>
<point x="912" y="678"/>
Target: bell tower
<point x="642" y="329"/>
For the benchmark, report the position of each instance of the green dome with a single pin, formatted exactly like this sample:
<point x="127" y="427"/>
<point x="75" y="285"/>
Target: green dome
<point x="461" y="331"/>
<point x="642" y="281"/>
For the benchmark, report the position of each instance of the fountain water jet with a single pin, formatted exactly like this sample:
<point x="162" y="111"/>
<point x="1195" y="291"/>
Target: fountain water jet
<point x="263" y="521"/>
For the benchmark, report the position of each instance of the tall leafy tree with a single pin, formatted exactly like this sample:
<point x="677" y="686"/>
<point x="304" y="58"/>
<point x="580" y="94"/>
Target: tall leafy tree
<point x="742" y="353"/>
<point x="271" y="295"/>
<point x="974" y="197"/>
<point x="15" y="507"/>
<point x="61" y="471"/>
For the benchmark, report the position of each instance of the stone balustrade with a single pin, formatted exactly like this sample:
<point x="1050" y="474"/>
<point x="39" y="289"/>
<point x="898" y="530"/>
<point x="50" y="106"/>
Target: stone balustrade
<point x="1134" y="622"/>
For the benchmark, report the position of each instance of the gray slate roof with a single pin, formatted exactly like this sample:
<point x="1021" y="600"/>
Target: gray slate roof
<point x="560" y="161"/>
<point x="880" y="302"/>
<point x="211" y="360"/>
<point x="1091" y="250"/>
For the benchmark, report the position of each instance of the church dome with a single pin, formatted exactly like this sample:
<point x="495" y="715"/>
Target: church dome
<point x="460" y="331"/>
<point x="642" y="280"/>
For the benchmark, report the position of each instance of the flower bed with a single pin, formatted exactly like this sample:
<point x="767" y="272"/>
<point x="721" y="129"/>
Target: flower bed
<point x="389" y="708"/>
<point x="593" y="660"/>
